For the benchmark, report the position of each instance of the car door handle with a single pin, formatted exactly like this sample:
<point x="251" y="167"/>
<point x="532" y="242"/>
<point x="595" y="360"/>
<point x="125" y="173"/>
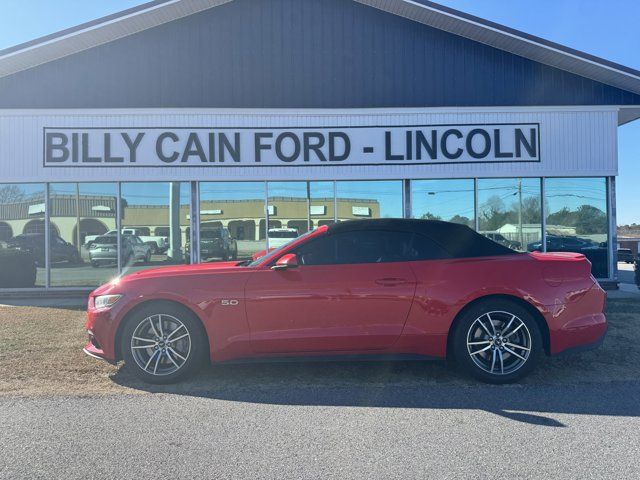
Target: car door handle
<point x="390" y="282"/>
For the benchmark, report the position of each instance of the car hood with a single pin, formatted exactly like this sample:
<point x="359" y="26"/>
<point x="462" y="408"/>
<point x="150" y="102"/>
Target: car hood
<point x="199" y="268"/>
<point x="169" y="271"/>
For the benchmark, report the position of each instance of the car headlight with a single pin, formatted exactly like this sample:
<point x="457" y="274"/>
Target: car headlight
<point x="105" y="301"/>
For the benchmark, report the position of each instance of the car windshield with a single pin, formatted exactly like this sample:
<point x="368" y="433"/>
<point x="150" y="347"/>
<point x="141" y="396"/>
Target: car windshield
<point x="106" y="240"/>
<point x="283" y="234"/>
<point x="204" y="234"/>
<point x="276" y="252"/>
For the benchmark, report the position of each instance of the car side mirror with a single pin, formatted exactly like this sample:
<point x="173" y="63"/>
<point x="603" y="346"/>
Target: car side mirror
<point x="285" y="262"/>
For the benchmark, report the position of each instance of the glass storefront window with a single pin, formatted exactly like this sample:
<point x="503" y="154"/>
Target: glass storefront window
<point x="448" y="200"/>
<point x="321" y="204"/>
<point x="22" y="236"/>
<point x="288" y="214"/>
<point x="232" y="220"/>
<point x="369" y="199"/>
<point x="510" y="211"/>
<point x="154" y="222"/>
<point x="78" y="215"/>
<point x="577" y="219"/>
<point x="296" y="207"/>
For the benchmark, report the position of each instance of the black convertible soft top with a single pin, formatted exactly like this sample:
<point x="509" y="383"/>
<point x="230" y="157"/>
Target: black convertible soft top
<point x="459" y="240"/>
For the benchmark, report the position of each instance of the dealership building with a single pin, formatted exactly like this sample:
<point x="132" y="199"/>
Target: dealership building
<point x="246" y="118"/>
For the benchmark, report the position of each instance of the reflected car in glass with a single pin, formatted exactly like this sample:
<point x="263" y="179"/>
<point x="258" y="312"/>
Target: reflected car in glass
<point x="281" y="236"/>
<point x="217" y="243"/>
<point x="625" y="255"/>
<point x="59" y="251"/>
<point x="104" y="250"/>
<point x="391" y="288"/>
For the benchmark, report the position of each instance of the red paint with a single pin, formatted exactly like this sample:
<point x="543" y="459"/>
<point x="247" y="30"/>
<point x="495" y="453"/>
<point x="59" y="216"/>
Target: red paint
<point x="399" y="308"/>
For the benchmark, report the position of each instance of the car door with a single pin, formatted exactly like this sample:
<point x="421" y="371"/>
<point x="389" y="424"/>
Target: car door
<point x="139" y="248"/>
<point x="350" y="292"/>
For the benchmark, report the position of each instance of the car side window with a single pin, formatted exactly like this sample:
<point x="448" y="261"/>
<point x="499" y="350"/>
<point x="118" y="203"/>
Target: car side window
<point x="369" y="246"/>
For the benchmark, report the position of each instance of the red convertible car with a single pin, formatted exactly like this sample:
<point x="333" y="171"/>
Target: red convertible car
<point x="390" y="287"/>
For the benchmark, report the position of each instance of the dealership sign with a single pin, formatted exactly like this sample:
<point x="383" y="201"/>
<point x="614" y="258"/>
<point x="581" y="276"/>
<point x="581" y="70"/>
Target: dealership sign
<point x="296" y="146"/>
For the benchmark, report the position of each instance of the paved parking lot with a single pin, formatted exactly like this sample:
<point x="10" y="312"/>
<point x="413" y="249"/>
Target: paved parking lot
<point x="66" y="416"/>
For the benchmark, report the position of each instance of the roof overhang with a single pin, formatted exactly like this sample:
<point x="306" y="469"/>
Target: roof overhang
<point x="97" y="32"/>
<point x="158" y="12"/>
<point x="514" y="41"/>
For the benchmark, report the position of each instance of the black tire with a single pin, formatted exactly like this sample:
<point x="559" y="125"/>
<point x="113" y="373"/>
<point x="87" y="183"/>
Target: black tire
<point x="95" y="264"/>
<point x="147" y="257"/>
<point x="225" y="255"/>
<point x="198" y="352"/>
<point x="235" y="253"/>
<point x="501" y="312"/>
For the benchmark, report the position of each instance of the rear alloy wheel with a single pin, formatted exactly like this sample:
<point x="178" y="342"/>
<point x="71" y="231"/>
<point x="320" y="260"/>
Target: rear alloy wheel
<point x="498" y="342"/>
<point x="163" y="344"/>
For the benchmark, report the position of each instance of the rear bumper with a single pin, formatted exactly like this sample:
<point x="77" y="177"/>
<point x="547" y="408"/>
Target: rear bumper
<point x="579" y="325"/>
<point x="583" y="348"/>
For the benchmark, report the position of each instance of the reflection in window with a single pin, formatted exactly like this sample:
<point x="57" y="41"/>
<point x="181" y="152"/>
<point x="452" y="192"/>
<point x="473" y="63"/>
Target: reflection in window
<point x="288" y="215"/>
<point x="448" y="200"/>
<point x="22" y="252"/>
<point x="232" y="220"/>
<point x="80" y="213"/>
<point x="321" y="205"/>
<point x="369" y="199"/>
<point x="509" y="211"/>
<point x="297" y="207"/>
<point x="146" y="209"/>
<point x="577" y="219"/>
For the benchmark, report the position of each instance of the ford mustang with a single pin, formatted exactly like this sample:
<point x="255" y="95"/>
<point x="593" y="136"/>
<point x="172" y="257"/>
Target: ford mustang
<point x="367" y="288"/>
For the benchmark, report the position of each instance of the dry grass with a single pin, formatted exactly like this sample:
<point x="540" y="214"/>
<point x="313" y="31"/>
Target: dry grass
<point x="41" y="354"/>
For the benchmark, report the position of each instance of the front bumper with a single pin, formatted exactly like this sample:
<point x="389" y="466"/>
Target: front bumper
<point x="96" y="353"/>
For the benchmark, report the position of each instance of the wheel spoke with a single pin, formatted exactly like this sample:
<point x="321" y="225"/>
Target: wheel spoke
<point x="171" y="358"/>
<point x="148" y="340"/>
<point x="483" y="342"/>
<point x="177" y="354"/>
<point x="153" y="327"/>
<point x="493" y="360"/>
<point x="481" y="350"/>
<point x="175" y="331"/>
<point x="143" y="346"/>
<point x="484" y="327"/>
<point x="518" y="346"/>
<point x="491" y="323"/>
<point x="501" y="361"/>
<point x="160" y="325"/>
<point x="155" y="368"/>
<point x="179" y="338"/>
<point x="506" y="329"/>
<point x="151" y="358"/>
<point x="514" y="331"/>
<point x="514" y="353"/>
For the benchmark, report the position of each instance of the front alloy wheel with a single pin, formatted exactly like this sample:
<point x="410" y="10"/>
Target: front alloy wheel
<point x="497" y="341"/>
<point x="160" y="344"/>
<point x="163" y="343"/>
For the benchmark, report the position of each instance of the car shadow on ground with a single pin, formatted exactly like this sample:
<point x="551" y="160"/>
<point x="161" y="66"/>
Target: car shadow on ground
<point x="428" y="385"/>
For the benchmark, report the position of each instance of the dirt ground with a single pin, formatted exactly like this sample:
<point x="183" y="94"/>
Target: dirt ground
<point x="41" y="354"/>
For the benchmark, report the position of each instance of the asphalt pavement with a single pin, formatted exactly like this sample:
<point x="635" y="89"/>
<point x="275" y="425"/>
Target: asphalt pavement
<point x="355" y="430"/>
